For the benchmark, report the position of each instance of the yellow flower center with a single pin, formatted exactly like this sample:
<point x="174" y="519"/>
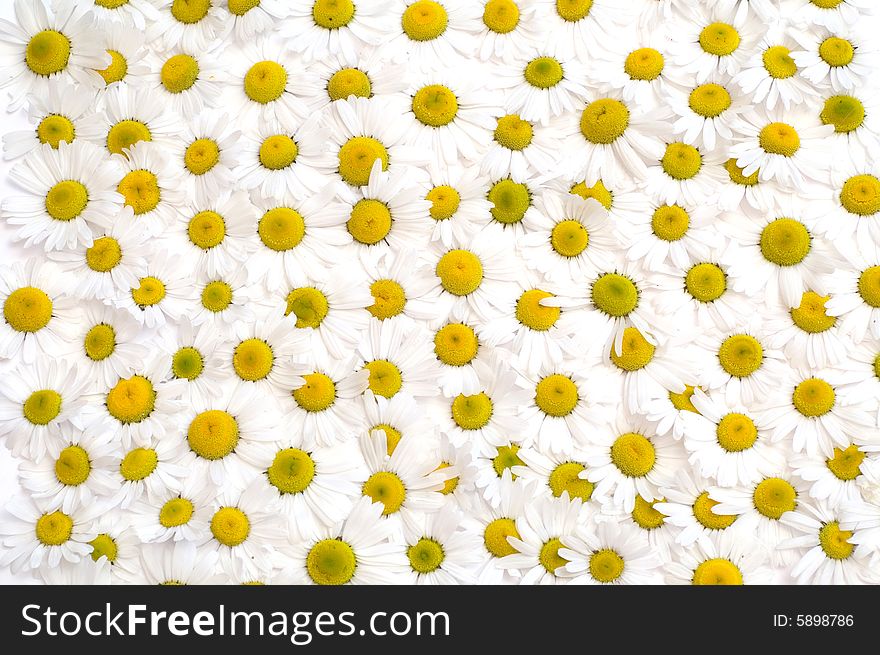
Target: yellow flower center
<point x="331" y="562"/>
<point x="281" y="228"/>
<point x="187" y="363"/>
<point x="836" y="52"/>
<point x="501" y="16"/>
<point x="27" y="309"/>
<point x="176" y="512"/>
<point x="702" y="509"/>
<point x="292" y="471"/>
<point x="785" y="242"/>
<point x="635" y="351"/>
<point x="116" y="70"/>
<point x="47" y="52"/>
<point x="472" y="412"/>
<point x="150" y="292"/>
<point x="670" y="222"/>
<point x="861" y="195"/>
<point x="333" y="14"/>
<point x="66" y="200"/>
<point x="513" y="133"/>
<point x="277" y="152"/>
<point x="317" y="394"/>
<point x="356" y="157"/>
<point x="569" y="238"/>
<point x="543" y="72"/>
<point x="741" y="355"/>
<point x="424" y="20"/>
<point x="633" y="454"/>
<point x="604" y="120"/>
<point x="556" y="395"/>
<point x="450" y="484"/>
<point x="460" y="272"/>
<point x="606" y="565"/>
<point x="719" y="39"/>
<point x="190" y="11"/>
<point x="495" y="537"/>
<point x="104" y="546"/>
<point x="683" y="402"/>
<point x="597" y="192"/>
<point x="131" y="400"/>
<point x="869" y="286"/>
<point x="736" y="432"/>
<point x="42" y="406"/>
<point x="835" y="542"/>
<point x="778" y="62"/>
<point x="705" y="282"/>
<point x="309" y="305"/>
<point x="72" y="467"/>
<point x="644" y="64"/>
<point x="810" y="316"/>
<point x="265" y="81"/>
<point x="104" y="254"/>
<point x="216" y="296"/>
<point x="201" y="156"/>
<point x="392" y="436"/>
<point x="54" y="529"/>
<point x="813" y="397"/>
<point x="779" y="139"/>
<point x="207" y="229"/>
<point x="717" y="571"/>
<point x="100" y="342"/>
<point x="387" y="488"/>
<point x="534" y="315"/>
<point x="645" y="515"/>
<point x="773" y="497"/>
<point x="736" y="174"/>
<point x="510" y="200"/>
<point x="385" y="378"/>
<point x="349" y="82"/>
<point x="506" y="458"/>
<point x="230" y="526"/>
<point x="369" y="222"/>
<point x="709" y="100"/>
<point x="111" y="4"/>
<point x="425" y="556"/>
<point x="253" y="359"/>
<point x="614" y="294"/>
<point x="456" y="344"/>
<point x="141" y="191"/>
<point x="55" y="128"/>
<point x="846" y="464"/>
<point x="435" y="105"/>
<point x="179" y="73"/>
<point x="827" y="4"/>
<point x="444" y="202"/>
<point x="565" y="478"/>
<point x="125" y="134"/>
<point x="138" y="464"/>
<point x="389" y="299"/>
<point x="213" y="434"/>
<point x="573" y="10"/>
<point x="681" y="161"/>
<point x="549" y="556"/>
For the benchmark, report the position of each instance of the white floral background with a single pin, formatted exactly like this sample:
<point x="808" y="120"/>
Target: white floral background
<point x="621" y="265"/>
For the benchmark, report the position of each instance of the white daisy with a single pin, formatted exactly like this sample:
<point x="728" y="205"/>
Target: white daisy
<point x="650" y="526"/>
<point x="398" y="359"/>
<point x="842" y="60"/>
<point x="394" y="278"/>
<point x="125" y="45"/>
<point x="742" y="192"/>
<point x="553" y="474"/>
<point x="671" y="411"/>
<point x="148" y="469"/>
<point x="709" y="115"/>
<point x="861" y="374"/>
<point x="178" y="514"/>
<point x="510" y="29"/>
<point x="856" y="126"/>
<point x="834" y="14"/>
<point x="854" y="210"/>
<point x="490" y="463"/>
<point x="582" y="28"/>
<point x="179" y="563"/>
<point x="253" y="18"/>
<point x="841" y="478"/>
<point x="161" y="295"/>
<point x="518" y="147"/>
<point x="608" y="552"/>
<point x="130" y="116"/>
<point x="458" y="198"/>
<point x="150" y="186"/>
<point x="195" y="359"/>
<point x="37" y="402"/>
<point x="194" y="25"/>
<point x="674" y="233"/>
<point x="427" y="31"/>
<point x="724" y="560"/>
<point x="809" y="332"/>
<point x="458" y="490"/>
<point x="624" y="202"/>
<point x="366" y="74"/>
<point x="683" y="173"/>
<point x="440" y="551"/>
<point x="224" y="299"/>
<point x="207" y="151"/>
<point x="714" y="40"/>
<point x="324" y="27"/>
<point x="115" y="543"/>
<point x="190" y="81"/>
<point x="457" y="348"/>
<point x="512" y="213"/>
<point x="855" y="292"/>
<point x="134" y="12"/>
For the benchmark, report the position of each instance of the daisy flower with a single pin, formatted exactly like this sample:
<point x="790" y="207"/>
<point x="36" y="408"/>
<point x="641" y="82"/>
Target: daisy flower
<point x="115" y="543"/>
<point x="835" y="15"/>
<point x="135" y="12"/>
<point x="272" y="84"/>
<point x="676" y="234"/>
<point x="279" y="159"/>
<point x="553" y="474"/>
<point x="323" y="408"/>
<point x="252" y="18"/>
<point x="176" y="514"/>
<point x="827" y="556"/>
<point x="510" y="29"/>
<point x="607" y="552"/>
<point x="512" y="213"/>
<point x="42" y="47"/>
<point x="214" y="235"/>
<point x="773" y="73"/>
<point x="717" y="41"/>
<point x="398" y="359"/>
<point x="627" y="458"/>
<point x="841" y="478"/>
<point x="77" y="471"/>
<point x="150" y="186"/>
<point x="361" y="134"/>
<point x="490" y="463"/>
<point x="295" y="235"/>
<point x="190" y="81"/>
<point x="671" y="411"/>
<point x="71" y="192"/>
<point x="366" y="74"/>
<point x="148" y="469"/>
<point x="537" y="539"/>
<point x="741" y="362"/>
<point x="439" y="550"/>
<point x="570" y="238"/>
<point x="57" y="115"/>
<point x="710" y="115"/>
<point x="394" y="278"/>
<point x="458" y="199"/>
<point x="208" y="150"/>
<point x="782" y="146"/>
<point x="110" y="345"/>
<point x="457" y="348"/>
<point x="180" y="563"/>
<point x="458" y="490"/>
<point x="724" y="560"/>
<point x="125" y="45"/>
<point x="856" y="127"/>
<point x="809" y="332"/>
<point x="37" y="401"/>
<point x="759" y="507"/>
<point x="853" y="215"/>
<point x="855" y="292"/>
<point x="542" y="86"/>
<point x="745" y="193"/>
<point x="82" y="573"/>
<point x="861" y="374"/>
<point x="356" y="551"/>
<point x="37" y="535"/>
<point x="389" y="213"/>
<point x="582" y="28"/>
<point x="224" y="299"/>
<point x="842" y="61"/>
<point x="429" y="31"/>
<point x="683" y="173"/>
<point x="728" y="442"/>
<point x="650" y="525"/>
<point x="195" y="359"/>
<point x="687" y="504"/>
<point x="324" y="27"/>
<point x="194" y="25"/>
<point x="613" y="139"/>
<point x="112" y="264"/>
<point x="518" y="147"/>
<point x="38" y="315"/>
<point x="764" y="9"/>
<point x="160" y="295"/>
<point x="623" y="202"/>
<point x="130" y="116"/>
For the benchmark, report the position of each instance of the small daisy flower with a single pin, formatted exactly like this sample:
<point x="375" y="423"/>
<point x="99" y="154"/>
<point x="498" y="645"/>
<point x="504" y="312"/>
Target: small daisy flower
<point x="856" y="127"/>
<point x="490" y="463"/>
<point x="125" y="45"/>
<point x="71" y="192"/>
<point x="354" y="551"/>
<point x="324" y="27"/>
<point x="224" y="300"/>
<point x="194" y="25"/>
<point x="809" y="332"/>
<point x="129" y="117"/>
<point x="37" y="402"/>
<point x="553" y="474"/>
<point x="685" y="174"/>
<point x="134" y="12"/>
<point x="717" y="41"/>
<point x="518" y="147"/>
<point x="189" y="80"/>
<point x="724" y="560"/>
<point x="835" y="15"/>
<point x="38" y="316"/>
<point x="842" y="60"/>
<point x="45" y="47"/>
<point x="745" y="193"/>
<point x="509" y="29"/>
<point x="440" y="551"/>
<point x="176" y="514"/>
<point x="161" y="295"/>
<point x="195" y="359"/>
<point x="366" y="74"/>
<point x="398" y="359"/>
<point x="728" y="442"/>
<point x="854" y="210"/>
<point x="838" y="479"/>
<point x="180" y="563"/>
<point x="252" y="18"/>
<point x="148" y="469"/>
<point x="608" y="552"/>
<point x="208" y="150"/>
<point x="427" y="31"/>
<point x="512" y="213"/>
<point x="37" y="535"/>
<point x="855" y="292"/>
<point x="650" y="526"/>
<point x="458" y="200"/>
<point x="710" y="115"/>
<point x="672" y="411"/>
<point x="457" y="348"/>
<point x="676" y="234"/>
<point x="150" y="186"/>
<point x="117" y="544"/>
<point x="394" y="278"/>
<point x="581" y="27"/>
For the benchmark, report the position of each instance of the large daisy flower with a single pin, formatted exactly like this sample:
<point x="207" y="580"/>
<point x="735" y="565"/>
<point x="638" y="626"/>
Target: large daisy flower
<point x="608" y="552"/>
<point x="724" y="560"/>
<point x="440" y="551"/>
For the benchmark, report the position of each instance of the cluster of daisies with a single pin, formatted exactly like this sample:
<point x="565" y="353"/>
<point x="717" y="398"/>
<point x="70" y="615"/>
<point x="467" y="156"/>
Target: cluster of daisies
<point x="442" y="291"/>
